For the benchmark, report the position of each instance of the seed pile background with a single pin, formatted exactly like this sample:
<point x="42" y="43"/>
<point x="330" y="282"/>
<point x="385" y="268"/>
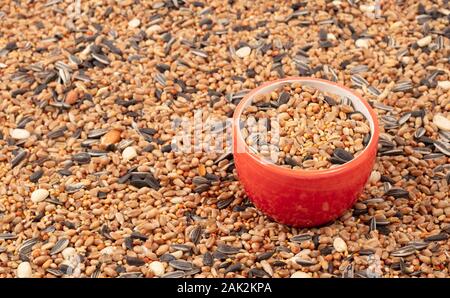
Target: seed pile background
<point x="122" y="204"/>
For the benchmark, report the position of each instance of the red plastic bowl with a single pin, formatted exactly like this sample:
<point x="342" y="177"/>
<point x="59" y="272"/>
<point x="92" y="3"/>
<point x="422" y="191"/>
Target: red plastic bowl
<point x="304" y="198"/>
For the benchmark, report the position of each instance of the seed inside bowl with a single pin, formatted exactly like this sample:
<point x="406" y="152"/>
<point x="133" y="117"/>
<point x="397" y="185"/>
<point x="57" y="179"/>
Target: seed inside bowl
<point x="301" y="127"/>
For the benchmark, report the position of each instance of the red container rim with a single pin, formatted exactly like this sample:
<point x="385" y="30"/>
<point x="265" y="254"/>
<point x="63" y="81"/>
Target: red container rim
<point x="351" y="166"/>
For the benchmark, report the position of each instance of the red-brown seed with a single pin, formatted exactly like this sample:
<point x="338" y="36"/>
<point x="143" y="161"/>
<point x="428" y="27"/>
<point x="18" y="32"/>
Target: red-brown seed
<point x="72" y="97"/>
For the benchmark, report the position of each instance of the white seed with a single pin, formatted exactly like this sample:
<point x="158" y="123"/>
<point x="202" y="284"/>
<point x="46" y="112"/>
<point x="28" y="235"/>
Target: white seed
<point x="266" y="267"/>
<point x="444" y="85"/>
<point x="19" y="134"/>
<point x="107" y="250"/>
<point x="406" y="60"/>
<point x="24" y="270"/>
<point x="68" y="252"/>
<point x="300" y="274"/>
<point x="129" y="153"/>
<point x="337" y="3"/>
<point x="303" y="253"/>
<point x="177" y="254"/>
<point x="331" y="36"/>
<point x="441" y="122"/>
<point x="396" y="25"/>
<point x="243" y="52"/>
<point x="339" y="245"/>
<point x="423" y="42"/>
<point x="362" y="43"/>
<point x="152" y="29"/>
<point x="39" y="195"/>
<point x="177" y="200"/>
<point x="157" y="268"/>
<point x="134" y="23"/>
<point x="367" y="8"/>
<point x="375" y="176"/>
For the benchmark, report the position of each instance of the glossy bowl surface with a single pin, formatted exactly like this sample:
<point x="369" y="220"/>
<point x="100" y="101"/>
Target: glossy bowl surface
<point x="304" y="198"/>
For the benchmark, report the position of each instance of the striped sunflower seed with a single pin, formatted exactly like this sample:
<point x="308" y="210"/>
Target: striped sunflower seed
<point x="300" y="238"/>
<point x="404" y="251"/>
<point x="7" y="236"/>
<point x="227" y="249"/>
<point x="196" y="234"/>
<point x="181" y="265"/>
<point x="60" y="245"/>
<point x="174" y="274"/>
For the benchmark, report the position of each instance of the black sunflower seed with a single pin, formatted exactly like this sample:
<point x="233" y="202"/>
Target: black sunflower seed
<point x="387" y="179"/>
<point x="166" y="148"/>
<point x="300" y="238"/>
<point x="373" y="224"/>
<point x="342" y="155"/>
<point x="224" y="203"/>
<point x="124" y="178"/>
<point x="305" y="262"/>
<point x="284" y="98"/>
<point x="7" y="236"/>
<point x="56" y="133"/>
<point x="18" y="158"/>
<point x="219" y="255"/>
<point x="21" y="124"/>
<point x="181" y="247"/>
<point x="128" y="243"/>
<point x="227" y="249"/>
<point x="146" y="179"/>
<point x="55" y="272"/>
<point x="135" y="261"/>
<point x="404" y="251"/>
<point x="196" y="234"/>
<point x="264" y="256"/>
<point x="419" y="245"/>
<point x="329" y="100"/>
<point x="234" y="267"/>
<point x="36" y="176"/>
<point x="438" y="237"/>
<point x="290" y="161"/>
<point x="418" y="113"/>
<point x="105" y="232"/>
<point x="201" y="188"/>
<point x="315" y="239"/>
<point x="65" y="172"/>
<point x="77" y="133"/>
<point x="278" y="263"/>
<point x="335" y="160"/>
<point x="212" y="177"/>
<point x="442" y="147"/>
<point x="167" y="257"/>
<point x="326" y="250"/>
<point x="255" y="272"/>
<point x="38" y="217"/>
<point x="60" y="245"/>
<point x="174" y="274"/>
<point x="199" y="180"/>
<point x="384" y="230"/>
<point x="101" y="58"/>
<point x="125" y="103"/>
<point x="181" y="265"/>
<point x="64" y="268"/>
<point x="366" y="139"/>
<point x="208" y="259"/>
<point x="137" y="235"/>
<point x="397" y="192"/>
<point x="81" y="158"/>
<point x="366" y="252"/>
<point x="148" y="131"/>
